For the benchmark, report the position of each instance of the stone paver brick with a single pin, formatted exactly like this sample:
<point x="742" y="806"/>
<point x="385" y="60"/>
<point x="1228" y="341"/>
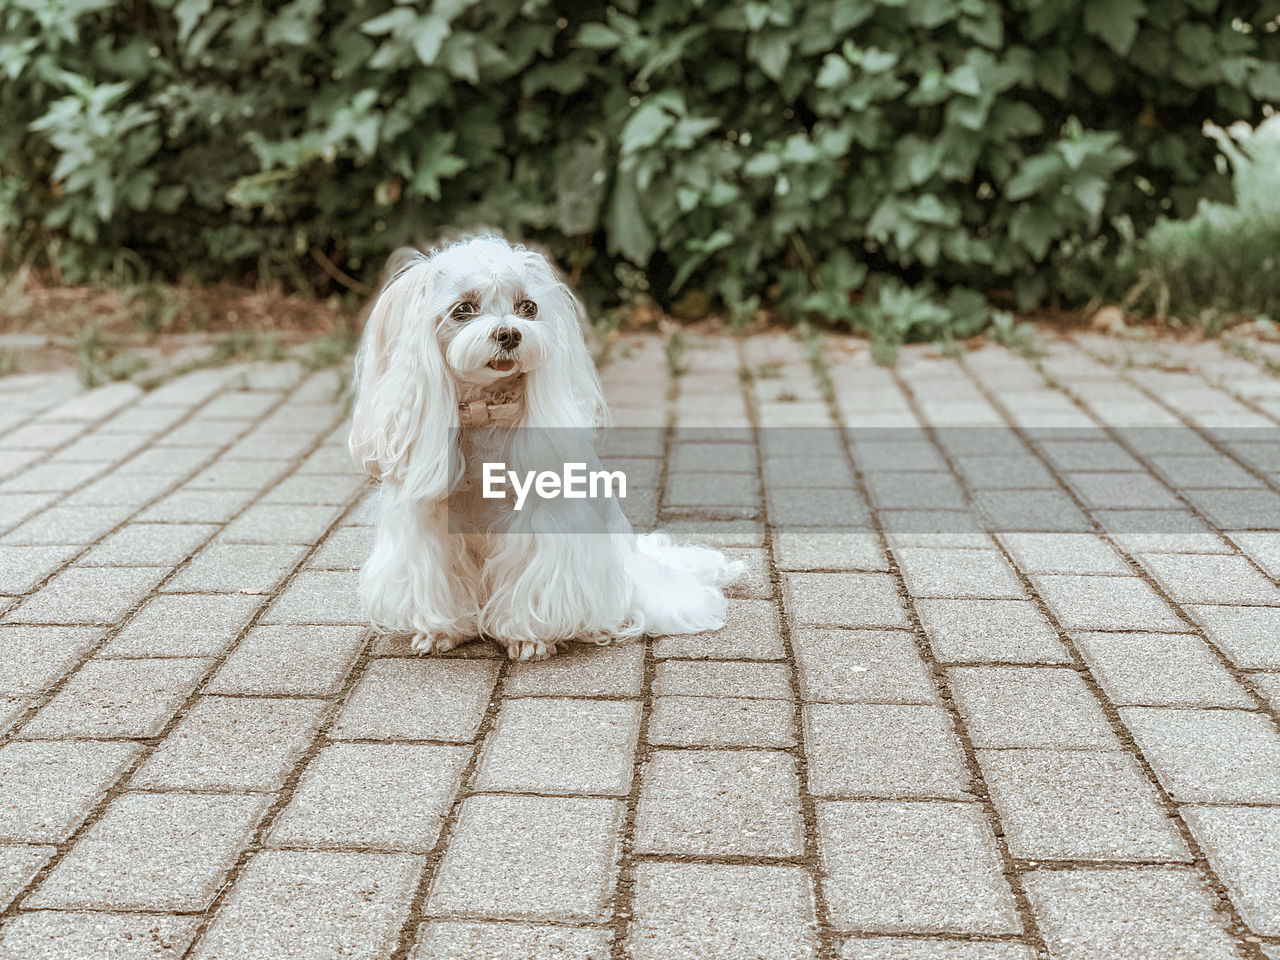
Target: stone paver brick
<point x="280" y="523"/>
<point x="386" y="796"/>
<point x="756" y="581"/>
<point x="318" y="596"/>
<point x="861" y="666"/>
<point x="883" y="750"/>
<point x="88" y="595"/>
<point x="844" y="600"/>
<point x="227" y="743"/>
<point x="1078" y="805"/>
<point x="1192" y="578"/>
<point x="1164" y="913"/>
<point x="752" y="630"/>
<point x="1209" y="756"/>
<point x="713" y="458"/>
<point x="148" y="544"/>
<point x="47" y="789"/>
<point x="721" y="722"/>
<point x="65" y="935"/>
<point x="836" y="509"/>
<point x="1160" y="670"/>
<point x="722" y="803"/>
<point x="913" y="868"/>
<point x="184" y="625"/>
<point x="197" y="506"/>
<point x="1238" y="509"/>
<point x="34" y="658"/>
<point x="582" y="670"/>
<point x="561" y="747"/>
<point x="153" y="851"/>
<point x="824" y="550"/>
<point x="510" y="857"/>
<point x="722" y="912"/>
<point x="972" y="574"/>
<point x="1268" y="684"/>
<point x="1243" y="846"/>
<point x="347" y="548"/>
<point x="295" y="905"/>
<point x="1160" y="531"/>
<point x="18" y="865"/>
<point x="1107" y="603"/>
<point x="80" y="526"/>
<point x="315" y="489"/>
<point x="1249" y="636"/>
<point x="1262" y="548"/>
<point x="290" y="661"/>
<point x="990" y="631"/>
<point x="1030" y="511"/>
<point x="709" y="490"/>
<point x="1122" y="491"/>
<point x="418" y="700"/>
<point x="235" y="567"/>
<point x="1070" y="553"/>
<point x="118" y="698"/>
<point x="23" y="568"/>
<point x="893" y="948"/>
<point x="505" y="940"/>
<point x="1029" y="707"/>
<point x="726" y="678"/>
<point x="238" y="475"/>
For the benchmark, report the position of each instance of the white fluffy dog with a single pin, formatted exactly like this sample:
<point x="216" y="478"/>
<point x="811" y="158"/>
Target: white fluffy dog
<point x="475" y="354"/>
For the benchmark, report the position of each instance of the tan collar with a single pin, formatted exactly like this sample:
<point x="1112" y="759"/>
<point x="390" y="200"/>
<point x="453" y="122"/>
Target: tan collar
<point x="479" y="414"/>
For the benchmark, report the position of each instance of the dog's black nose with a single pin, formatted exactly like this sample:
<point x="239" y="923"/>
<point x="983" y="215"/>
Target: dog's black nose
<point x="507" y="337"/>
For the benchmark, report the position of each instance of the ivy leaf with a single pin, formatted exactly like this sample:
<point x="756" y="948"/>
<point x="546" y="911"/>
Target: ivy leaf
<point x="1115" y="22"/>
<point x="835" y="72"/>
<point x="596" y="36"/>
<point x="436" y="163"/>
<point x="1034" y="175"/>
<point x="429" y="34"/>
<point x="771" y="52"/>
<point x="579" y="186"/>
<point x="626" y="230"/>
<point x="396" y="19"/>
<point x="646" y="126"/>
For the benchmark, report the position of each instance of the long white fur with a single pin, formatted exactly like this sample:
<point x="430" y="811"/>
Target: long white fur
<point x="440" y="568"/>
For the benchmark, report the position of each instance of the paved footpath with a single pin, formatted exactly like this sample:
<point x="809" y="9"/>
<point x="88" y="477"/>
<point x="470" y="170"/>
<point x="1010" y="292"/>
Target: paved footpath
<point x="1003" y="681"/>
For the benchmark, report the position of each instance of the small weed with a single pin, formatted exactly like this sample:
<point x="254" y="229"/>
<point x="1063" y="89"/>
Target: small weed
<point x="330" y="350"/>
<point x="817" y="364"/>
<point x="101" y="361"/>
<point x="786" y="396"/>
<point x="949" y="348"/>
<point x="884" y="352"/>
<point x="673" y="348"/>
<point x="769" y="371"/>
<point x="1012" y="335"/>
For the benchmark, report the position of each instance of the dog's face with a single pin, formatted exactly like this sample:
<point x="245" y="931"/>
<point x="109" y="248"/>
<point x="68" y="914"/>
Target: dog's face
<point x="476" y="314"/>
<point x="496" y="310"/>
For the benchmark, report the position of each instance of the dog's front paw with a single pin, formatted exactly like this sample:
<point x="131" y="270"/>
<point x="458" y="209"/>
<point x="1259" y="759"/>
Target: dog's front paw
<point x="530" y="649"/>
<point x="432" y="643"/>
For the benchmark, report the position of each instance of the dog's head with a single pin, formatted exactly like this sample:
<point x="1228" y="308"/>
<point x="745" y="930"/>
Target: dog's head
<point x="478" y="315"/>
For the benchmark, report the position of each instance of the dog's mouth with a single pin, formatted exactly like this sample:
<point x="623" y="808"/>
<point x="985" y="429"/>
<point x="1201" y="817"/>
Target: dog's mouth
<point x="502" y="365"/>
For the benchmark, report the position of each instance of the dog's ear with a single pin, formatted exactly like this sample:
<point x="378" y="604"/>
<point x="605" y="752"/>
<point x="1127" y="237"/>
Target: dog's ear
<point x="565" y="391"/>
<point x="406" y="415"/>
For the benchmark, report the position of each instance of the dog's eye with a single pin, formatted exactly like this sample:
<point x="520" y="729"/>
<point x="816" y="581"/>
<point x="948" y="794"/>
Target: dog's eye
<point x="464" y="310"/>
<point x="526" y="309"/>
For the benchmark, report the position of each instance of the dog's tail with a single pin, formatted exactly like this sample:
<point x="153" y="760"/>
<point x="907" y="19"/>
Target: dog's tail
<point x="678" y="587"/>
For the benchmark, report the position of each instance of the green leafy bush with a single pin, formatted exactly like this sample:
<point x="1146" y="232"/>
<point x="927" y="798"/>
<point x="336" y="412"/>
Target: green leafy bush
<point x="1225" y="258"/>
<point x="823" y="156"/>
